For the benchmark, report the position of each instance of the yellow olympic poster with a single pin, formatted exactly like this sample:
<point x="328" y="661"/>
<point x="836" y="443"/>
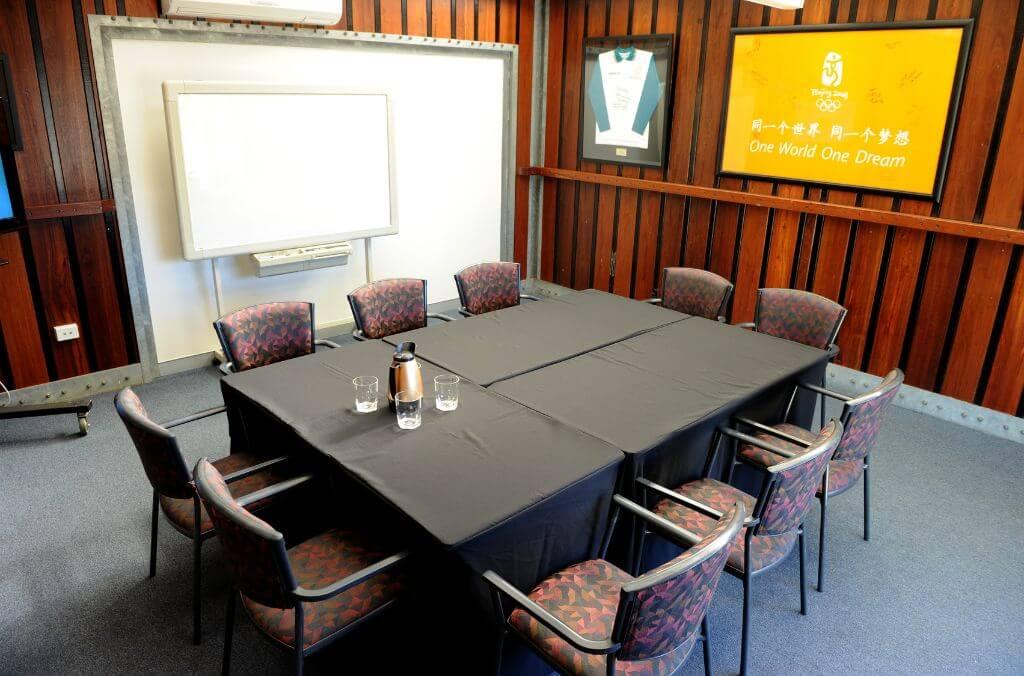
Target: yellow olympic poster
<point x="855" y="106"/>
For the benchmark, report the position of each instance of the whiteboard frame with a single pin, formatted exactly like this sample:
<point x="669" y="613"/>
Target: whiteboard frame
<point x="103" y="30"/>
<point x="174" y="89"/>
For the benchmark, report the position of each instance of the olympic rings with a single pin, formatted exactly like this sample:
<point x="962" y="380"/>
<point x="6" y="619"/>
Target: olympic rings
<point x="828" y="105"/>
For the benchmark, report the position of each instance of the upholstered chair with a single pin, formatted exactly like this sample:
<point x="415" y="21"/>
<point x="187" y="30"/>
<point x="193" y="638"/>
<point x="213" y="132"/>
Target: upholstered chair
<point x="862" y="418"/>
<point x="696" y="292"/>
<point x="263" y="334"/>
<point x="594" y="618"/>
<point x="775" y="526"/>
<point x="390" y="306"/>
<point x="302" y="597"/>
<point x="800" y="316"/>
<point x="487" y="287"/>
<point x="173" y="489"/>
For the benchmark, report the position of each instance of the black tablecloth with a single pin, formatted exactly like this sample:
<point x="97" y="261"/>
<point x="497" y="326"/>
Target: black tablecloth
<point x="660" y="395"/>
<point x="508" y="488"/>
<point x="492" y="347"/>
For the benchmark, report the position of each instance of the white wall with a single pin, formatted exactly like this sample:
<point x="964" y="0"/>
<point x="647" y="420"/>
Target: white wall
<point x="448" y="115"/>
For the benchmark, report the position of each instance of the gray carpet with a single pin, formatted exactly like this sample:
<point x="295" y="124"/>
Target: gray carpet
<point x="938" y="589"/>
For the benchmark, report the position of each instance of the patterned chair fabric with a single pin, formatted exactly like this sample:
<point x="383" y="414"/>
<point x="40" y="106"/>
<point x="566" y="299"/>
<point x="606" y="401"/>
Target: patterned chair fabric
<point x="487" y="287"/>
<point x="796" y="483"/>
<point x="696" y="292"/>
<point x="157" y="448"/>
<point x="389" y="306"/>
<point x="765" y="551"/>
<point x="318" y="562"/>
<point x="181" y="512"/>
<point x="799" y="316"/>
<point x="668" y="613"/>
<point x="661" y="627"/>
<point x="267" y="333"/>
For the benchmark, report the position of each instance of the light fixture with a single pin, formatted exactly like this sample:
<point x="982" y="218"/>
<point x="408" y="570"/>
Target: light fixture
<point x="780" y="4"/>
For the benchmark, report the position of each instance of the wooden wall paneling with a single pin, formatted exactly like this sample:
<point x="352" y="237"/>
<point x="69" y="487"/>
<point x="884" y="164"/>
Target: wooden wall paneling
<point x="57" y="292"/>
<point x="18" y="324"/>
<point x="515" y="24"/>
<point x="364" y="16"/>
<point x="146" y="8"/>
<point x="607" y="197"/>
<point x="554" y="192"/>
<point x="568" y="133"/>
<point x="586" y="211"/>
<point x="627" y="202"/>
<point x="416" y="20"/>
<point x="1006" y="381"/>
<point x="686" y="111"/>
<point x="486" y="20"/>
<point x="991" y="259"/>
<point x="391" y="17"/>
<point x="982" y="89"/>
<point x="465" y="19"/>
<point x="647" y="231"/>
<point x="441" y="18"/>
<point x="808" y="238"/>
<point x="726" y="217"/>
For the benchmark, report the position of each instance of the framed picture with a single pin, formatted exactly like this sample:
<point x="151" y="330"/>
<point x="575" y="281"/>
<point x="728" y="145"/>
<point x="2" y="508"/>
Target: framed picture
<point x="627" y="93"/>
<point x="862" y="106"/>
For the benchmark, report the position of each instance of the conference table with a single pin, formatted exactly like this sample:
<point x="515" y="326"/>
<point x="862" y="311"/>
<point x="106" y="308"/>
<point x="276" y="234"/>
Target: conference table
<point x="563" y="402"/>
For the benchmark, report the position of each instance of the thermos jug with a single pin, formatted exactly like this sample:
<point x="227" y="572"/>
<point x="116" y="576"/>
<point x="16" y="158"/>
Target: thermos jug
<point x="404" y="374"/>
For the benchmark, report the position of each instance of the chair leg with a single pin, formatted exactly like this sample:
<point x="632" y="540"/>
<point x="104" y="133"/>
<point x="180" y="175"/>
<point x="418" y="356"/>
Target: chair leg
<point x="299" y="652"/>
<point x="821" y="542"/>
<point x="803" y="571"/>
<point x="821" y="409"/>
<point x="153" y="533"/>
<point x="867" y="502"/>
<point x="229" y="627"/>
<point x="707" y="645"/>
<point x="745" y="641"/>
<point x="197" y="568"/>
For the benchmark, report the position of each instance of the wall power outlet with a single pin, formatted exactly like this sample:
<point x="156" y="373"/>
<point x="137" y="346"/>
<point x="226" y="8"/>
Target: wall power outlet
<point x="66" y="332"/>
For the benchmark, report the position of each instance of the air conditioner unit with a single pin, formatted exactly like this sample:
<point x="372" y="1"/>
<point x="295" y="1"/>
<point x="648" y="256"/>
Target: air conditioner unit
<point x="319" y="12"/>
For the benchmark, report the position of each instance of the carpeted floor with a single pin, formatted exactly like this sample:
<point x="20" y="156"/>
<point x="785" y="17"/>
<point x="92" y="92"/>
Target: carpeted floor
<point x="938" y="589"/>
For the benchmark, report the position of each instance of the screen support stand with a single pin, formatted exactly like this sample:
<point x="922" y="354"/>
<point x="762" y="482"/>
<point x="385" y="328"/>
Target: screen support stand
<point x="218" y="355"/>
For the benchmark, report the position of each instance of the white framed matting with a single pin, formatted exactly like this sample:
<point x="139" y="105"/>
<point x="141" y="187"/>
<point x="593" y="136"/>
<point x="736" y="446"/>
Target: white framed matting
<point x="453" y="116"/>
<point x="283" y="193"/>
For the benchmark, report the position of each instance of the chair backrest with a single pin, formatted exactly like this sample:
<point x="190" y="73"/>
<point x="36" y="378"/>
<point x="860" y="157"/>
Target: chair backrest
<point x="799" y="316"/>
<point x="794" y="483"/>
<point x="696" y="292"/>
<point x="661" y="609"/>
<point x="266" y="333"/>
<point x="157" y="448"/>
<point x="487" y="287"/>
<point x="863" y="416"/>
<point x="389" y="306"/>
<point x="255" y="551"/>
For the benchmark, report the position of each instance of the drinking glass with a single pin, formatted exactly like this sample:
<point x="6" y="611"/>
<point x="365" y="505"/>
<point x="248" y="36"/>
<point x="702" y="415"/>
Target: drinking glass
<point x="366" y="393"/>
<point x="408" y="407"/>
<point x="446" y="391"/>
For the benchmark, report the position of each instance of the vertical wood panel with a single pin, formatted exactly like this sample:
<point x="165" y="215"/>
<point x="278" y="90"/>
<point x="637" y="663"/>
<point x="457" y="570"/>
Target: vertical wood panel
<point x="513" y="16"/>
<point x="18" y="320"/>
<point x="567" y="157"/>
<point x="554" y="193"/>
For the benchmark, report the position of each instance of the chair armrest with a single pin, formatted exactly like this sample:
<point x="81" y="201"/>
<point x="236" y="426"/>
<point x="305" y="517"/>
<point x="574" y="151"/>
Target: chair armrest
<point x="722" y="320"/>
<point x="774" y="432"/>
<point x="326" y="343"/>
<point x="822" y="390"/>
<point x="685" y="501"/>
<point x="539" y="613"/>
<point x="746" y="325"/>
<point x="359" y="335"/>
<point x="227" y="368"/>
<point x="653" y="301"/>
<point x="276" y="489"/>
<point x="193" y="417"/>
<point x="346" y="583"/>
<point x="249" y="471"/>
<point x="754" y="441"/>
<point x="684" y="538"/>
<point x="464" y="312"/>
<point x="436" y="315"/>
<point x="526" y="296"/>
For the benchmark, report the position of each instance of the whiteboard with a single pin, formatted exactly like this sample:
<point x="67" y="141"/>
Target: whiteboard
<point x="263" y="166"/>
<point x="454" y="119"/>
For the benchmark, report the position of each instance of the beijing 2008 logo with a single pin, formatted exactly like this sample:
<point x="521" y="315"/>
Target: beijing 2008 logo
<point x="829" y="98"/>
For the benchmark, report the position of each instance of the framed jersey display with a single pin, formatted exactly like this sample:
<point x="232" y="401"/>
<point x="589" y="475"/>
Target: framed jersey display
<point x="627" y="91"/>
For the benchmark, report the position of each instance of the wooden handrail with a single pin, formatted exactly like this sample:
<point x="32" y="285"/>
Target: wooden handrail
<point x="945" y="226"/>
<point x="68" y="209"/>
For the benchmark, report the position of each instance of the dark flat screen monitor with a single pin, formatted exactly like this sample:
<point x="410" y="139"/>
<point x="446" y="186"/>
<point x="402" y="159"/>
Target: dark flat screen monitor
<point x="10" y="202"/>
